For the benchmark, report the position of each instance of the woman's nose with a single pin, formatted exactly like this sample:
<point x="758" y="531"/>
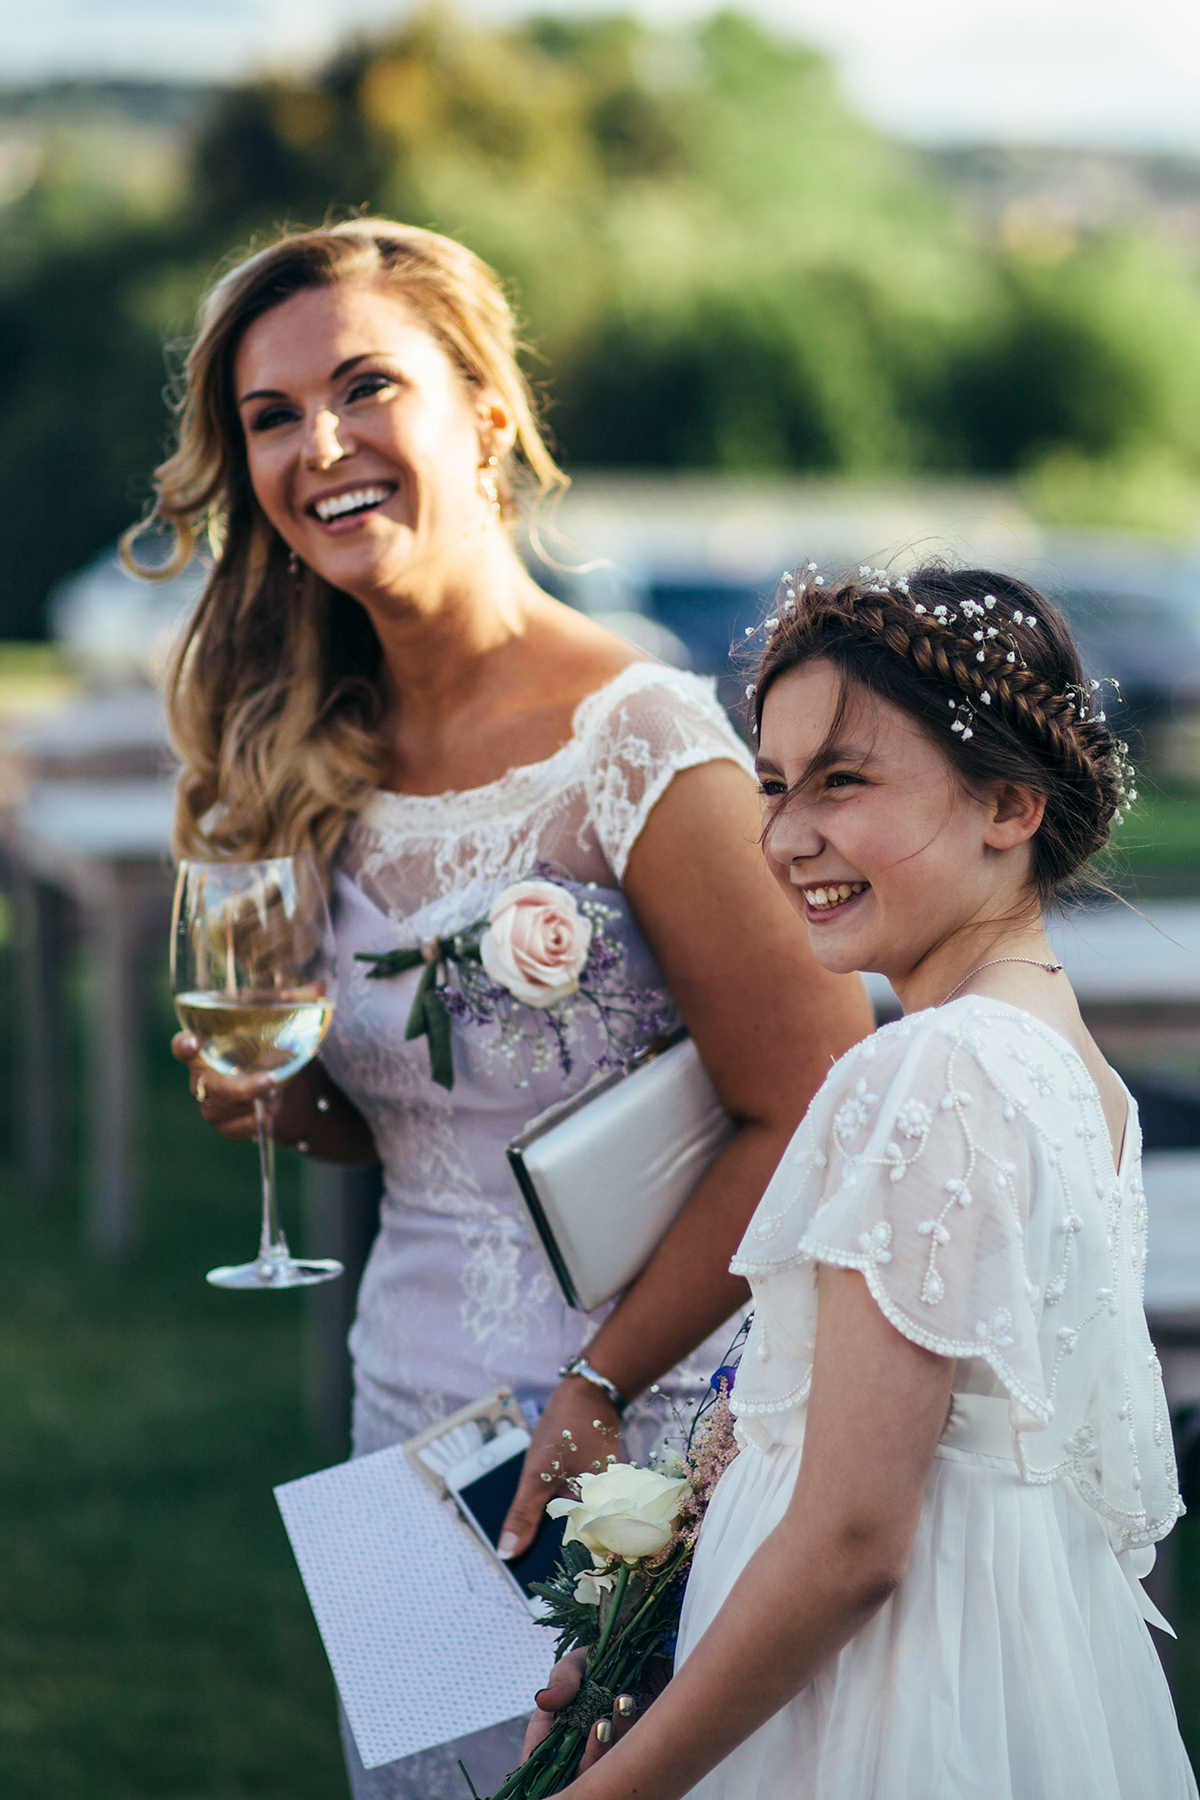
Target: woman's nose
<point x="323" y="446"/>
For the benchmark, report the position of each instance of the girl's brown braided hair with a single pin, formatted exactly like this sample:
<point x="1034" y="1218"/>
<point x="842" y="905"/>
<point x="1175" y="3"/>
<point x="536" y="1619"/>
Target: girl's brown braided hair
<point x="988" y="667"/>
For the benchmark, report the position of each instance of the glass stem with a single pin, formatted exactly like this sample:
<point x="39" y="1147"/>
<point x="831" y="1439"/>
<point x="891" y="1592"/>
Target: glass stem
<point x="272" y="1248"/>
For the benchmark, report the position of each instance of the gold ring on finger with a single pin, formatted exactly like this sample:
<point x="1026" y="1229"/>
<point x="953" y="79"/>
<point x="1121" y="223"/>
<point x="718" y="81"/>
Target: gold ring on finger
<point x="201" y="1091"/>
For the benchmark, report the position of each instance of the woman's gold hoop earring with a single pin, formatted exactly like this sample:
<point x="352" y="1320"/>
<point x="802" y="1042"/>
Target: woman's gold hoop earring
<point x="488" y="485"/>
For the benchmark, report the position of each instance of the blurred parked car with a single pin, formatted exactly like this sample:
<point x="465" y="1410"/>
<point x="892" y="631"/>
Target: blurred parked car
<point x="117" y="630"/>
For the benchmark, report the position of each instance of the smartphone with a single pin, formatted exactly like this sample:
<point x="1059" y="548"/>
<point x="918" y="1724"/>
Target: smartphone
<point x="484" y="1485"/>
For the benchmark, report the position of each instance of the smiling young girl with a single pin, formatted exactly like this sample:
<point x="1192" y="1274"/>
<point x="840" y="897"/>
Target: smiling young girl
<point x="920" y="1578"/>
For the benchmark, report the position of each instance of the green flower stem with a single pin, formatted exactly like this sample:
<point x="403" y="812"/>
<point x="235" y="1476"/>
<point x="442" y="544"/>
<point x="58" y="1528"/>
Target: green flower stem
<point x="648" y="1605"/>
<point x="565" y="1762"/>
<point x="614" y="1611"/>
<point x="555" y="1761"/>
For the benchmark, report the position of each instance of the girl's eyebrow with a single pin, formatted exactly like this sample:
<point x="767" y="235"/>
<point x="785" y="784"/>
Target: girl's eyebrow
<point x="825" y="758"/>
<point x="841" y="752"/>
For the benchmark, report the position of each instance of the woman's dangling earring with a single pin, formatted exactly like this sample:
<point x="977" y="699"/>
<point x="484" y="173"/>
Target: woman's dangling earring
<point x="488" y="485"/>
<point x="293" y="564"/>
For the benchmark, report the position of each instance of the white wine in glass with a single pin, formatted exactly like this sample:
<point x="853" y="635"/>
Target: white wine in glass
<point x="252" y="972"/>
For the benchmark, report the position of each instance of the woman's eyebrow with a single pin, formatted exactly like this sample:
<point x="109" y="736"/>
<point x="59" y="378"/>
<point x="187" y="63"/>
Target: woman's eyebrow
<point x="261" y="394"/>
<point x="343" y="368"/>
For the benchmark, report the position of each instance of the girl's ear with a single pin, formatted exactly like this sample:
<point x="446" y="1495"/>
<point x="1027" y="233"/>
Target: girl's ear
<point x="1014" y="815"/>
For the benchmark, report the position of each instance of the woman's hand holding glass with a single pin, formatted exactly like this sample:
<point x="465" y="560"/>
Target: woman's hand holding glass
<point x="252" y="970"/>
<point x="226" y="1102"/>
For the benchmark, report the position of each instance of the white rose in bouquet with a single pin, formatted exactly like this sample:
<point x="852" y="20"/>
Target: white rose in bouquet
<point x="624" y="1511"/>
<point x="536" y="943"/>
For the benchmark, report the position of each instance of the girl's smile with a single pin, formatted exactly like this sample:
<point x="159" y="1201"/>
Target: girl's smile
<point x="831" y="899"/>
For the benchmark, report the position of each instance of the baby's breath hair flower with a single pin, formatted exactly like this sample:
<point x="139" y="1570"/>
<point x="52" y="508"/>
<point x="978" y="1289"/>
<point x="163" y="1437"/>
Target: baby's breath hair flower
<point x="964" y="713"/>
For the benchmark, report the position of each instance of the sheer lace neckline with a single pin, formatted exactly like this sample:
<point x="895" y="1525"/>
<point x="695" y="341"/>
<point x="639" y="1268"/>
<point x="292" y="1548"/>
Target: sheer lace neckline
<point x="522" y="775"/>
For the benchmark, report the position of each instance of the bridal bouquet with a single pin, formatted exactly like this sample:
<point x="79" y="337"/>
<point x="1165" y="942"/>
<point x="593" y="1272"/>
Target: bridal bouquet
<point x="619" y="1588"/>
<point x="543" y="948"/>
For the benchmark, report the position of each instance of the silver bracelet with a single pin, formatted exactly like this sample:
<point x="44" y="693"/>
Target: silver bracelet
<point x="579" y="1365"/>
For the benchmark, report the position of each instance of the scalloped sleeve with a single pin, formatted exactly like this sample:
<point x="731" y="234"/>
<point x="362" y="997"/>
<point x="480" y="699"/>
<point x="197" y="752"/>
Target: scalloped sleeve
<point x="637" y="735"/>
<point x="913" y="1169"/>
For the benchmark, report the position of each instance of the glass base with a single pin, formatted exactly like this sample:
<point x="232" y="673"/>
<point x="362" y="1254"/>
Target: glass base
<point x="282" y="1272"/>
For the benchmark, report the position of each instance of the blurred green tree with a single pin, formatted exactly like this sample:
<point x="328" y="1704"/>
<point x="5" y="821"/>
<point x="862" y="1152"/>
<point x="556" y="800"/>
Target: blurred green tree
<point x="718" y="264"/>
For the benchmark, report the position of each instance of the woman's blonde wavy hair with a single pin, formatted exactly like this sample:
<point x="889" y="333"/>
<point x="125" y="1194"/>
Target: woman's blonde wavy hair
<point x="274" y="696"/>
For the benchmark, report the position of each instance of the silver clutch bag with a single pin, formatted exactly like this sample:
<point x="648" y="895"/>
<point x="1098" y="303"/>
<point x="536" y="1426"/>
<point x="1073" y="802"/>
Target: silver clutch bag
<point x="606" y="1173"/>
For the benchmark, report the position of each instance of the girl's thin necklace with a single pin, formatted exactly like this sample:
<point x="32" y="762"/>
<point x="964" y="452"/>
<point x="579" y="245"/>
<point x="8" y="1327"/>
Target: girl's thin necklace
<point x="1050" y="968"/>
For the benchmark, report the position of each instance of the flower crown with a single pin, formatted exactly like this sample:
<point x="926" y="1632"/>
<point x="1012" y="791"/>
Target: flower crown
<point x="980" y="629"/>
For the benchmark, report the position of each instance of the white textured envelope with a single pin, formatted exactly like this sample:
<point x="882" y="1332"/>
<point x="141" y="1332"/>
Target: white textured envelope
<point x="426" y="1639"/>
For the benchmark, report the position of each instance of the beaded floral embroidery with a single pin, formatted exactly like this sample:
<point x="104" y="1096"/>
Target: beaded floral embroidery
<point x="960" y="1160"/>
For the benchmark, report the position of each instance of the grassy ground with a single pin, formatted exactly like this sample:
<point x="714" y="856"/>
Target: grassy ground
<point x="155" y="1639"/>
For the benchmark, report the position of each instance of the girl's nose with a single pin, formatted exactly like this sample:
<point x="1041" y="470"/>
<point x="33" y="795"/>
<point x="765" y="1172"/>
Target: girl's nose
<point x="790" y="836"/>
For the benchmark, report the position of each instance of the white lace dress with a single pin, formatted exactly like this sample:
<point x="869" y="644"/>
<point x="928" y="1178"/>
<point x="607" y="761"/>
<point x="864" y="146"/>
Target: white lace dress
<point x="455" y="1297"/>
<point x="960" y="1160"/>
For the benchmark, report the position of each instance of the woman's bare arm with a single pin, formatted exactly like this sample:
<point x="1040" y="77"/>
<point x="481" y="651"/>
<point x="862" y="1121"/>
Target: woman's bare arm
<point x="768" y="1022"/>
<point x="877" y="1409"/>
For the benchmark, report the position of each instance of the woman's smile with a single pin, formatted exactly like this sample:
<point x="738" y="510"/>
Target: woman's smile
<point x="341" y="509"/>
<point x="363" y="440"/>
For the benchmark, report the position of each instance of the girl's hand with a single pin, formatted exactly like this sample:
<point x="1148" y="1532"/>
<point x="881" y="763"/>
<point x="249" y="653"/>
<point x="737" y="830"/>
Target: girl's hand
<point x="558" y="1692"/>
<point x="226" y="1101"/>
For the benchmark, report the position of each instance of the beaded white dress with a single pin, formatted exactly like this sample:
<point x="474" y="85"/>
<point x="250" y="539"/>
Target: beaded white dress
<point x="455" y="1297"/>
<point x="960" y="1159"/>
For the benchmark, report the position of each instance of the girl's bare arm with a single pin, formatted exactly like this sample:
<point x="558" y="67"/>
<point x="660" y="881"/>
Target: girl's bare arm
<point x="877" y="1409"/>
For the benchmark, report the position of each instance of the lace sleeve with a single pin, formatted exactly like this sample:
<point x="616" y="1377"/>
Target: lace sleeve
<point x="921" y="1179"/>
<point x="638" y="733"/>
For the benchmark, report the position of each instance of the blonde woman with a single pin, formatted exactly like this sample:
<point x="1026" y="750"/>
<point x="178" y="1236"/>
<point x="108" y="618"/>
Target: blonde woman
<point x="372" y="674"/>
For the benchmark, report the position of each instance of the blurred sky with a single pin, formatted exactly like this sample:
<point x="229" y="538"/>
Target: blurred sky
<point x="1117" y="72"/>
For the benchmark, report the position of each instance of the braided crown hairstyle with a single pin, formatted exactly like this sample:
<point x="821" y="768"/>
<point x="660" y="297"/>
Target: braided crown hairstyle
<point x="988" y="667"/>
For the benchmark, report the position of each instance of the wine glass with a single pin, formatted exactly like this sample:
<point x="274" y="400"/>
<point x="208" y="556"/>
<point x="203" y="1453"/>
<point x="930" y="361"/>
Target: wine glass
<point x="252" y="973"/>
